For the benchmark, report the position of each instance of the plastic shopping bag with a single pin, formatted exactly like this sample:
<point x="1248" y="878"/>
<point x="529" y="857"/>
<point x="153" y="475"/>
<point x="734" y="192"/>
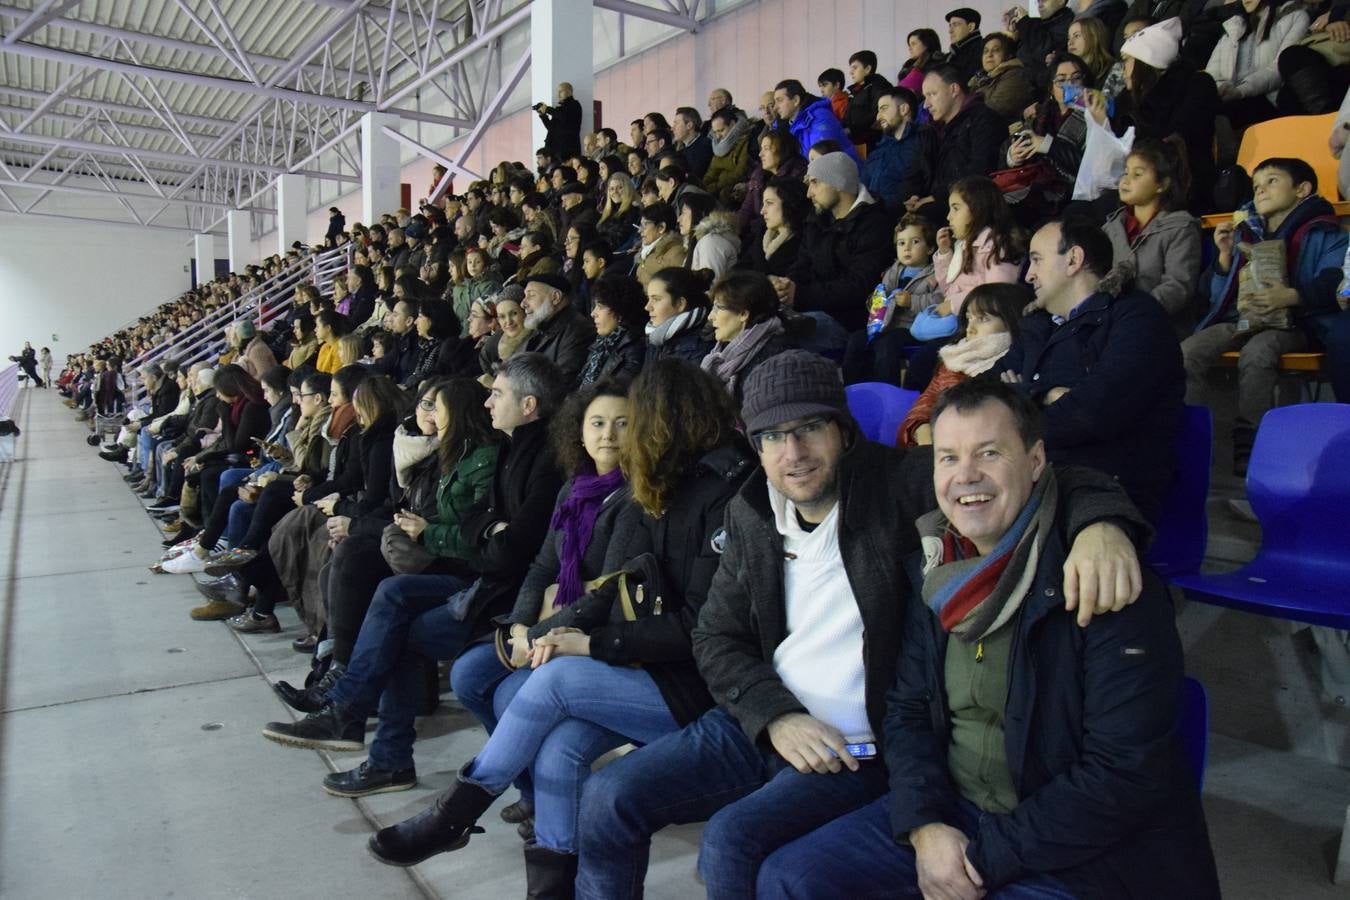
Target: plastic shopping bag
<point x="1103" y="160"/>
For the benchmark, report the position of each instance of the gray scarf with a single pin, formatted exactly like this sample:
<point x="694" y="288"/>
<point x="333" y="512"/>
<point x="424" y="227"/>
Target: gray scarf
<point x="733" y="136"/>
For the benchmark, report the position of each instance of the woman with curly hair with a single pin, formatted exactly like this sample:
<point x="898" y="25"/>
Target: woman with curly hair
<point x="604" y="676"/>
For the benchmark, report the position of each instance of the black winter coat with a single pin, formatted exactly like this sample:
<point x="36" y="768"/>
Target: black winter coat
<point x="840" y="262"/>
<point x="1037" y="39"/>
<point x="690" y="345"/>
<point x="967" y="145"/>
<point x="165" y="399"/>
<point x="968" y="57"/>
<point x="860" y="116"/>
<point x="563" y="123"/>
<point x="201" y="417"/>
<point x="685" y="541"/>
<point x="1120" y="359"/>
<point x="524" y="488"/>
<point x="1107" y="803"/>
<point x="255" y="420"/>
<point x="626" y="358"/>
<point x="1184" y="102"/>
<point x="780" y="263"/>
<point x="566" y="339"/>
<point x="362" y="470"/>
<point x="882" y="490"/>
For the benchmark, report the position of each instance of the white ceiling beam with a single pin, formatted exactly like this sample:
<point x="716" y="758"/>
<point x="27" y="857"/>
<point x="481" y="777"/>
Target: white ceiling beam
<point x="638" y="11"/>
<point x="460" y="53"/>
<point x="154" y="40"/>
<point x="228" y="84"/>
<point x="184" y="158"/>
<point x="40" y="15"/>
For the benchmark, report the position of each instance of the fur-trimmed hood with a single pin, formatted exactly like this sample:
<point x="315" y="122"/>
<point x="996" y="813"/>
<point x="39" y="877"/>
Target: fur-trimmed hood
<point x="723" y="223"/>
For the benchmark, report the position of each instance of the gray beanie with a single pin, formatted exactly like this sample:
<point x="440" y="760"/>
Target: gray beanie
<point x="793" y="385"/>
<point x="838" y="170"/>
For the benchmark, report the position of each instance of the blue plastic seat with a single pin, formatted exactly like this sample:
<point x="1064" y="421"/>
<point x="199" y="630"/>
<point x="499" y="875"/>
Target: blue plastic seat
<point x="879" y="408"/>
<point x="1182" y="528"/>
<point x="1195" y="727"/>
<point x="1298" y="482"/>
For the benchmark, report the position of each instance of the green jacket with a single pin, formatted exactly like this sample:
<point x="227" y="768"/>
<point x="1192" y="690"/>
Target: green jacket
<point x="725" y="171"/>
<point x="456" y="495"/>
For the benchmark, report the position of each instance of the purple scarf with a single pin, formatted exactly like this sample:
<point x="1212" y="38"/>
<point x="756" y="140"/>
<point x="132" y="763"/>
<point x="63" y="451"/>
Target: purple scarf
<point x="575" y="518"/>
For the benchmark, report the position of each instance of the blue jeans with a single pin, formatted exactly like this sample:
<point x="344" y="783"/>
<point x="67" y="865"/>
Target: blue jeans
<point x="407" y="621"/>
<point x="1333" y="330"/>
<point x="566" y="715"/>
<point x="857" y="856"/>
<point x="486" y="687"/>
<point x="145" y="447"/>
<point x="753" y="801"/>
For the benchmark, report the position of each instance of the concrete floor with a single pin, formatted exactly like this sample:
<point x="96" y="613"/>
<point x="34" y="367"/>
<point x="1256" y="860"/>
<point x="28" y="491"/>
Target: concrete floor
<point x="131" y="764"/>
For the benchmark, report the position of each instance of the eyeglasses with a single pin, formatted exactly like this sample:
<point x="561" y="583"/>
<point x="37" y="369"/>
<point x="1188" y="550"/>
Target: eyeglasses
<point x="809" y="432"/>
<point x="428" y="404"/>
<point x="302" y="394"/>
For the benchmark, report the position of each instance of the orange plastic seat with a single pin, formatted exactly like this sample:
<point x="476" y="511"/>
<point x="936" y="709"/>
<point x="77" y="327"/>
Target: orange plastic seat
<point x="1300" y="137"/>
<point x="1302" y="363"/>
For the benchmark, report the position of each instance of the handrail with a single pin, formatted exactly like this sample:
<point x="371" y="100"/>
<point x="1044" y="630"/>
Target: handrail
<point x="264" y="303"/>
<point x="9" y="389"/>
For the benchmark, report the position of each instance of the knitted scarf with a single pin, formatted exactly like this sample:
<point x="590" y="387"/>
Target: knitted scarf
<point x="575" y="518"/>
<point x="727" y="360"/>
<point x="689" y="320"/>
<point x="344" y="417"/>
<point x="974" y="595"/>
<point x="974" y="356"/>
<point x="601" y="348"/>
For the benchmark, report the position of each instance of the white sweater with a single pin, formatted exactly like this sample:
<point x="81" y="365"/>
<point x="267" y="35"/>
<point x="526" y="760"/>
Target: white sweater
<point x="821" y="659"/>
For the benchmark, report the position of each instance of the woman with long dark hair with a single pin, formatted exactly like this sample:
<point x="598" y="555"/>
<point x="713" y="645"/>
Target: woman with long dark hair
<point x="677" y="304"/>
<point x="604" y="679"/>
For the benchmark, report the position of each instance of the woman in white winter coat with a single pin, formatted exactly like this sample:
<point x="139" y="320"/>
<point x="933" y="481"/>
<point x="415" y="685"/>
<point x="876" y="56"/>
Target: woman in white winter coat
<point x="710" y="237"/>
<point x="1244" y="62"/>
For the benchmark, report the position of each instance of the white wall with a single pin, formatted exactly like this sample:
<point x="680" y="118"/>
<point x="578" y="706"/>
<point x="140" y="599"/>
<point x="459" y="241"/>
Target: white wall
<point x="82" y="280"/>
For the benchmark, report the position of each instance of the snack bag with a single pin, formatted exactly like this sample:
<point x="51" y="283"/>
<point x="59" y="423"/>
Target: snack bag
<point x="1266" y="266"/>
<point x="879" y="308"/>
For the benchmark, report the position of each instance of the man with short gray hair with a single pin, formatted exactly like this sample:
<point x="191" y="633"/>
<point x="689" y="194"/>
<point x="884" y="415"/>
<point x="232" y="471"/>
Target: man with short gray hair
<point x="411" y="617"/>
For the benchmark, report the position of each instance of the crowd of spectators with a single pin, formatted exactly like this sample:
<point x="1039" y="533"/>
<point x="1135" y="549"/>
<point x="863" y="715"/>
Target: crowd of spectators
<point x="581" y="430"/>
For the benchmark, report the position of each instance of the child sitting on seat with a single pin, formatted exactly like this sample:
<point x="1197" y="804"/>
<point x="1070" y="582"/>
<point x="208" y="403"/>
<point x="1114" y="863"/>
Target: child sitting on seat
<point x="1264" y="304"/>
<point x="989" y="319"/>
<point x="907" y="288"/>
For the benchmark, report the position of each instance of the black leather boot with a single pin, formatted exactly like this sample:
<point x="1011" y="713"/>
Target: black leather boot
<point x="1309" y="90"/>
<point x="549" y="874"/>
<point x="446" y="826"/>
<point x="312" y="698"/>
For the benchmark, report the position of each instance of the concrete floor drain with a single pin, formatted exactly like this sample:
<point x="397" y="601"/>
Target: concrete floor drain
<point x="213" y="726"/>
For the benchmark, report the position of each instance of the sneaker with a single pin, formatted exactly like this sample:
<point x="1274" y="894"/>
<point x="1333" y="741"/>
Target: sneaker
<point x="188" y="563"/>
<point x="365" y="779"/>
<point x="230" y="560"/>
<point x="215" y="611"/>
<point x="118" y="455"/>
<point x="327" y="729"/>
<point x="178" y="548"/>
<point x="164" y="505"/>
<point x="250" y="623"/>
<point x="305" y="644"/>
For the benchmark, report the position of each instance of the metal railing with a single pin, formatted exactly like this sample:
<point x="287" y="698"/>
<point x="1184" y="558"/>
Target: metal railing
<point x="264" y="304"/>
<point x="9" y="389"/>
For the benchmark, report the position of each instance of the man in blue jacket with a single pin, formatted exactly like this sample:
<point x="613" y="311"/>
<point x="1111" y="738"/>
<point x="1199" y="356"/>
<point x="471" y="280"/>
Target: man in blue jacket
<point x="1023" y="751"/>
<point x="809" y="118"/>
<point x="897" y="168"/>
<point x="1285" y="207"/>
<point x="1106" y="368"/>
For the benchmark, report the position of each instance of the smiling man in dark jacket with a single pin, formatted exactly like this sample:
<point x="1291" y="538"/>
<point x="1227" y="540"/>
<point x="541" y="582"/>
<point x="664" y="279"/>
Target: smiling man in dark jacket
<point x="797" y="642"/>
<point x="1106" y="368"/>
<point x="1022" y="750"/>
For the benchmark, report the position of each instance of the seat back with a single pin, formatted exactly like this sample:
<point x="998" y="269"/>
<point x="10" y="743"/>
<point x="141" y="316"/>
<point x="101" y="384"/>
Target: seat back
<point x="1298" y="483"/>
<point x="1299" y="137"/>
<point x="879" y="408"/>
<point x="1195" y="727"/>
<point x="1182" y="527"/>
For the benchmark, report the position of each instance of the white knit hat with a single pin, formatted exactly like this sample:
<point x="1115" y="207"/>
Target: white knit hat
<point x="1157" y="45"/>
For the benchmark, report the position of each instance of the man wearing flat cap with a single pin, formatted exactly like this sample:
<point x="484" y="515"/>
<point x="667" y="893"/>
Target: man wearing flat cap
<point x="967" y="44"/>
<point x="561" y="331"/>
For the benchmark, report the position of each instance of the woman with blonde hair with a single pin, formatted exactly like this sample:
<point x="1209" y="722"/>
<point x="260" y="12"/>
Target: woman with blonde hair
<point x="619" y="214"/>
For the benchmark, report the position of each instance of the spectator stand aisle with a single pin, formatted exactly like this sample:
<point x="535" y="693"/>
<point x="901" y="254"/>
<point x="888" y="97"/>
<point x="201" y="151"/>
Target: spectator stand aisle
<point x="9" y="395"/>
